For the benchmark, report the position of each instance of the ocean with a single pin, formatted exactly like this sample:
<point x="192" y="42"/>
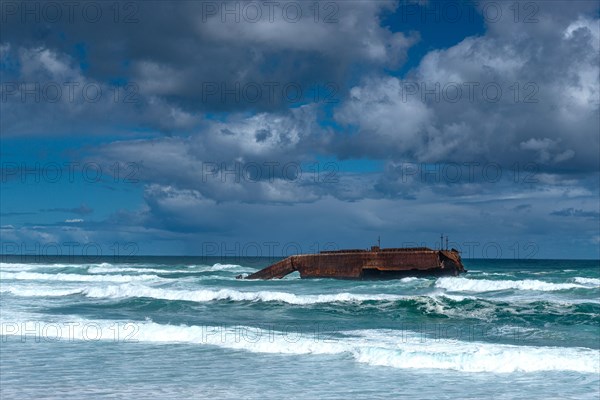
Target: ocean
<point x="185" y="327"/>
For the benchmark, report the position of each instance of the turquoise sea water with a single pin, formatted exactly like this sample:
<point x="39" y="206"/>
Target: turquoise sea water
<point x="185" y="327"/>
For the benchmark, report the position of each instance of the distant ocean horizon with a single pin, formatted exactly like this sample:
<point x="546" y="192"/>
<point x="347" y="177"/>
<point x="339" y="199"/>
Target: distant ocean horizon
<point x="113" y="327"/>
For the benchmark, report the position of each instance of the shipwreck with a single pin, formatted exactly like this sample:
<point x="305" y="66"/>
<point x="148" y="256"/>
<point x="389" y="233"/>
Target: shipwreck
<point x="374" y="263"/>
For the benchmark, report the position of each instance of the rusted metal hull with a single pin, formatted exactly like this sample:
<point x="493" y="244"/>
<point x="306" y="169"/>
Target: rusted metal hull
<point x="364" y="264"/>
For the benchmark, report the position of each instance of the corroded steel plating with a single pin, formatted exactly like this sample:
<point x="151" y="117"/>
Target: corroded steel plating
<point x="375" y="263"/>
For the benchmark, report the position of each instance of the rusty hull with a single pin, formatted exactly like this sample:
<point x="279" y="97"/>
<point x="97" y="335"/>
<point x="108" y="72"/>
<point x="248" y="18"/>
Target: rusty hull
<point x="367" y="264"/>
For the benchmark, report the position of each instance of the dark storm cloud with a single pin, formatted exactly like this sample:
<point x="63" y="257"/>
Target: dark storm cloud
<point x="186" y="57"/>
<point x="543" y="150"/>
<point x="521" y="93"/>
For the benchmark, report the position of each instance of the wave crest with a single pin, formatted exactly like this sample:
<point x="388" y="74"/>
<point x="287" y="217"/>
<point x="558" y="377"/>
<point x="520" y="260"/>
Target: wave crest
<point x="381" y="347"/>
<point x="487" y="285"/>
<point x="36" y="276"/>
<point x="587" y="281"/>
<point x="205" y="295"/>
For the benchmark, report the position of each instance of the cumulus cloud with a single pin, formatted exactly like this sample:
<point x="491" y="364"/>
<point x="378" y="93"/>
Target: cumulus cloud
<point x="45" y="93"/>
<point x="204" y="58"/>
<point x="499" y="97"/>
<point x="545" y="147"/>
<point x="257" y="158"/>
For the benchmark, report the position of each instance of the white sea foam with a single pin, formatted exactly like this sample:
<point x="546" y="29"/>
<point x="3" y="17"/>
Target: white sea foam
<point x="109" y="268"/>
<point x="455" y="297"/>
<point x="16" y="267"/>
<point x="588" y="281"/>
<point x="431" y="304"/>
<point x="29" y="266"/>
<point x="112" y="269"/>
<point x="38" y="291"/>
<point x="493" y="274"/>
<point x="390" y="348"/>
<point x="223" y="267"/>
<point x="205" y="295"/>
<point x="472" y="356"/>
<point x="76" y="277"/>
<point x="486" y="285"/>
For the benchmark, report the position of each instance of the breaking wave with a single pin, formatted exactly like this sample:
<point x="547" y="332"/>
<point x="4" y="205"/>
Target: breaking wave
<point x="16" y="267"/>
<point x="486" y="285"/>
<point x="130" y="290"/>
<point x="378" y="347"/>
<point x="108" y="270"/>
<point x="205" y="295"/>
<point x="223" y="267"/>
<point x="437" y="304"/>
<point x="76" y="277"/>
<point x="588" y="281"/>
<point x="38" y="292"/>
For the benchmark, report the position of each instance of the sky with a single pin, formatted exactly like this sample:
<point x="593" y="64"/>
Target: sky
<point x="274" y="128"/>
